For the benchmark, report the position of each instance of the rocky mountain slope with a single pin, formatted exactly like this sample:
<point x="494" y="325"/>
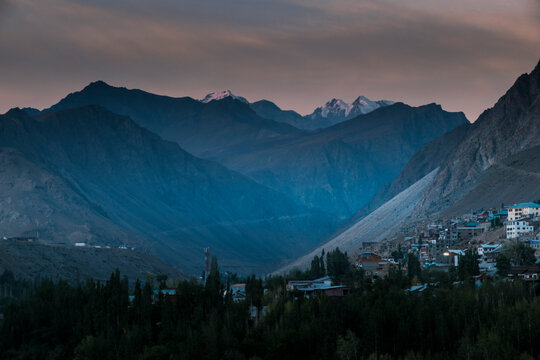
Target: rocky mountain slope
<point x="492" y="161"/>
<point x="511" y="127"/>
<point x="378" y="225"/>
<point x="92" y="173"/>
<point x="340" y="168"/>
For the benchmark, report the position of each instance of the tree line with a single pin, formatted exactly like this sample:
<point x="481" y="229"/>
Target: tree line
<point x="380" y="319"/>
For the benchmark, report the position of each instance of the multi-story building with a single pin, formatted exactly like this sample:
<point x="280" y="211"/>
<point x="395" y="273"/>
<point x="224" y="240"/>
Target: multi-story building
<point x="518" y="211"/>
<point x="519" y="227"/>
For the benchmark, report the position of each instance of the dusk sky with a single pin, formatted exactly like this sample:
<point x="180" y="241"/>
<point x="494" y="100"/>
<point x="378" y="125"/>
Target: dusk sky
<point x="300" y="53"/>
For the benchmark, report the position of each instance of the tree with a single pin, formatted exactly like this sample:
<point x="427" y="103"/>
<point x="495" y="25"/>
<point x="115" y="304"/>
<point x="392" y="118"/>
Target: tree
<point x="413" y="266"/>
<point x="213" y="282"/>
<point x="503" y="265"/>
<point x="315" y="270"/>
<point x="254" y="291"/>
<point x="337" y="263"/>
<point x="347" y="346"/>
<point x="468" y="265"/>
<point x="519" y="253"/>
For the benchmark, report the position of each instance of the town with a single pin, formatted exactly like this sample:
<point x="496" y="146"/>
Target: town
<point x="440" y="244"/>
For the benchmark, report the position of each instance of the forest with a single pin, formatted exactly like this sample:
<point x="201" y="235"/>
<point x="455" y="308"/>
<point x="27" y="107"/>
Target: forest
<point x="379" y="319"/>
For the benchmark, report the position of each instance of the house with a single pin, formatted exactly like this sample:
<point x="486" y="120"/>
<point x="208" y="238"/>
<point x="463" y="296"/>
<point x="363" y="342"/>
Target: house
<point x="502" y="215"/>
<point x="318" y="286"/>
<point x="238" y="292"/>
<point x="489" y="252"/>
<point x="470" y="229"/>
<point x="169" y="293"/>
<point x="373" y="264"/>
<point x="453" y="256"/>
<point x="300" y="284"/>
<point x="417" y="289"/>
<point x="328" y="290"/>
<point x="517" y="211"/>
<point x="518" y="227"/>
<point x="527" y="273"/>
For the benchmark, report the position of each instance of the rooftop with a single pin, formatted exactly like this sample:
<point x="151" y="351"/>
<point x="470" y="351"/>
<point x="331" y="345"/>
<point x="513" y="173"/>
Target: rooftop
<point x="523" y="205"/>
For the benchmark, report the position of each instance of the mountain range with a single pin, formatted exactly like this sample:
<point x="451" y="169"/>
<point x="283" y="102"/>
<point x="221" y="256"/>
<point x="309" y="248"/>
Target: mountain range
<point x="335" y="170"/>
<point x="170" y="176"/>
<point x="331" y="113"/>
<point x="87" y="174"/>
<point x="493" y="161"/>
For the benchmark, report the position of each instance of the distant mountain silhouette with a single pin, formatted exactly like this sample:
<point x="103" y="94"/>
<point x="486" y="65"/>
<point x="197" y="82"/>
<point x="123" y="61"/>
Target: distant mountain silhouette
<point x="88" y="174"/>
<point x="200" y="128"/>
<point x="340" y="168"/>
<point x="332" y="113"/>
<point x="336" y="170"/>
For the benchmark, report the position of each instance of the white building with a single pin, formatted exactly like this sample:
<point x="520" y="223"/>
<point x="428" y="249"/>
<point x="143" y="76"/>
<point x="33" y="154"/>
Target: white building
<point x="515" y="228"/>
<point x="518" y="211"/>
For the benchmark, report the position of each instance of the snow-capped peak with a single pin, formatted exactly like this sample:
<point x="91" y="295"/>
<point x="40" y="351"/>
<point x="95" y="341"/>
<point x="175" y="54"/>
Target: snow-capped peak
<point x="337" y="108"/>
<point x="220" y="95"/>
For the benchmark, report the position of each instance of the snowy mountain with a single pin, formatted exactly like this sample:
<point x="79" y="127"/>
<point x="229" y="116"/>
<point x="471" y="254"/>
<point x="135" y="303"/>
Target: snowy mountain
<point x="337" y="110"/>
<point x="220" y="95"/>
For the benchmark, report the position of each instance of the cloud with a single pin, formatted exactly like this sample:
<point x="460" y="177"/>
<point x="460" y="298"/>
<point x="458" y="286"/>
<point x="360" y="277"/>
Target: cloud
<point x="299" y="53"/>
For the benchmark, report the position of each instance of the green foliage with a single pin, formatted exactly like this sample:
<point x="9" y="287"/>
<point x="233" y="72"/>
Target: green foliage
<point x="254" y="291"/>
<point x="503" y="265"/>
<point x="348" y="346"/>
<point x="499" y="320"/>
<point x="468" y="265"/>
<point x="413" y="266"/>
<point x="519" y="253"/>
<point x="337" y="263"/>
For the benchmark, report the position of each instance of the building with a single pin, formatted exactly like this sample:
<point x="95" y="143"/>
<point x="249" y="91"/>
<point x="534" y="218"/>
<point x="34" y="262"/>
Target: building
<point x="518" y="211"/>
<point x="527" y="273"/>
<point x="300" y="284"/>
<point x="328" y="290"/>
<point x="534" y="241"/>
<point x="519" y="227"/>
<point x="470" y="229"/>
<point x="488" y="253"/>
<point x="318" y="286"/>
<point x="452" y="256"/>
<point x="373" y="264"/>
<point x="238" y="292"/>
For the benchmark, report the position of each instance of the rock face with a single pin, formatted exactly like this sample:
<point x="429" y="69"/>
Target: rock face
<point x="492" y="161"/>
<point x="511" y="126"/>
<point x="335" y="170"/>
<point x="89" y="174"/>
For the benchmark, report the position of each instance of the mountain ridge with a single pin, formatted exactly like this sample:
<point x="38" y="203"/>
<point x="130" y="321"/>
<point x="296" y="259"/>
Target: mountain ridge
<point x="173" y="202"/>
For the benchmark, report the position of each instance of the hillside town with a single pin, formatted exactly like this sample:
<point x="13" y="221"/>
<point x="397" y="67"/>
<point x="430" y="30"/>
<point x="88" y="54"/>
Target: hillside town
<point x="439" y="244"/>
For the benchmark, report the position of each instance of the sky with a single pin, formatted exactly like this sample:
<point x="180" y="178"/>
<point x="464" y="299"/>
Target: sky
<point x="461" y="54"/>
